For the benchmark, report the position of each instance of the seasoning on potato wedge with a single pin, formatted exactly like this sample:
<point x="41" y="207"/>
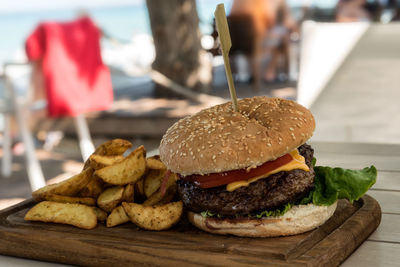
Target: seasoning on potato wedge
<point x="98" y="162"/>
<point x="113" y="147"/>
<point x="69" y="187"/>
<point x="129" y="170"/>
<point x="66" y="199"/>
<point x="129" y="192"/>
<point x="110" y="198"/>
<point x="93" y="189"/>
<point x="154" y="163"/>
<point x="78" y="215"/>
<point x="154" y="217"/>
<point x="117" y="216"/>
<point x="152" y="181"/>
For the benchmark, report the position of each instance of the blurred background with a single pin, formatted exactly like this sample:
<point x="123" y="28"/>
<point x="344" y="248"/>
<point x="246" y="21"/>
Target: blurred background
<point x="339" y="58"/>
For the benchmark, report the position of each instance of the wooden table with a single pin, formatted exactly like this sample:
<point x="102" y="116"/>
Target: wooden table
<point x="383" y="247"/>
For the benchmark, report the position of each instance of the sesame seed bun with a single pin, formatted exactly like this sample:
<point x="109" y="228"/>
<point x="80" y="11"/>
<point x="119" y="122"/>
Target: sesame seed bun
<point x="218" y="139"/>
<point x="297" y="220"/>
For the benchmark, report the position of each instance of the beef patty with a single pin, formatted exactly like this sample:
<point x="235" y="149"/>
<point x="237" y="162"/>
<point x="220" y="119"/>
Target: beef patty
<point x="265" y="194"/>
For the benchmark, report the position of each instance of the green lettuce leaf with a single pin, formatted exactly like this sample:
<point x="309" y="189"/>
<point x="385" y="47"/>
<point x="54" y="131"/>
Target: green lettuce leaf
<point x="313" y="161"/>
<point x="332" y="184"/>
<point x="207" y="213"/>
<point x="263" y="214"/>
<point x="273" y="213"/>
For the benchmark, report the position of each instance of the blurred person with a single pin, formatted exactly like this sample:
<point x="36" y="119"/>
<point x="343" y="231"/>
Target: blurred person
<point x="375" y="9"/>
<point x="352" y="11"/>
<point x="259" y="28"/>
<point x="249" y="22"/>
<point x="278" y="41"/>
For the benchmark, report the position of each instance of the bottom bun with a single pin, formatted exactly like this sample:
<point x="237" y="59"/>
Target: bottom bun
<point x="297" y="220"/>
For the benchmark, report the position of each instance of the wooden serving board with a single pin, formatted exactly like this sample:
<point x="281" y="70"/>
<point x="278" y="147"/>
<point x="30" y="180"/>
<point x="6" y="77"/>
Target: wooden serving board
<point x="185" y="245"/>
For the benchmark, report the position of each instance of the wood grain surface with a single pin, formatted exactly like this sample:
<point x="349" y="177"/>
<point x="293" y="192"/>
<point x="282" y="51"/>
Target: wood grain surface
<point x="126" y="245"/>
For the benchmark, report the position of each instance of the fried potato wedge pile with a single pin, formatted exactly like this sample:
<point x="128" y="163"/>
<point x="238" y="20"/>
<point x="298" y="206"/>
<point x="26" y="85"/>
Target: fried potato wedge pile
<point x="114" y="189"/>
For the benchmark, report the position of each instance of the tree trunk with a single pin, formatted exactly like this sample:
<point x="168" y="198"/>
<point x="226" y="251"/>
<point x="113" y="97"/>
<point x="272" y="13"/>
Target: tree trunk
<point x="176" y="34"/>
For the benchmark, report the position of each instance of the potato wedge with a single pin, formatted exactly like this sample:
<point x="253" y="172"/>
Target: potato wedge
<point x="152" y="181"/>
<point x="154" y="217"/>
<point x="97" y="161"/>
<point x="65" y="199"/>
<point x="113" y="147"/>
<point x="69" y="187"/>
<point x="157" y="198"/>
<point x="110" y="148"/>
<point x="77" y="215"/>
<point x="93" y="189"/>
<point x="110" y="198"/>
<point x="129" y="191"/>
<point x="117" y="216"/>
<point x="100" y="214"/>
<point x="126" y="171"/>
<point x="154" y="163"/>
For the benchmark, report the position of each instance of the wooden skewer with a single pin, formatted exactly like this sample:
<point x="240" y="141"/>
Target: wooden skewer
<point x="226" y="44"/>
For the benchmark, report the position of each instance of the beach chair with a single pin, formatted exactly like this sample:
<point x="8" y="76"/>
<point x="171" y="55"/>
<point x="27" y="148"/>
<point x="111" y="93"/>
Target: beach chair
<point x="75" y="81"/>
<point x="18" y="104"/>
<point x="14" y="104"/>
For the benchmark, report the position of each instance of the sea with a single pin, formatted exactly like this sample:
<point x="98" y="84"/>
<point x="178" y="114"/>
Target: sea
<point x="123" y="22"/>
<point x="120" y="22"/>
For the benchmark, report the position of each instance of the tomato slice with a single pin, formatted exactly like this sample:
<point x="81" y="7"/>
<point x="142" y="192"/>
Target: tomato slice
<point x="218" y="179"/>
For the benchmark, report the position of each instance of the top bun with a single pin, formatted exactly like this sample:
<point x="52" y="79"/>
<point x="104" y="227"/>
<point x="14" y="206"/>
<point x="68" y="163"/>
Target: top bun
<point x="218" y="139"/>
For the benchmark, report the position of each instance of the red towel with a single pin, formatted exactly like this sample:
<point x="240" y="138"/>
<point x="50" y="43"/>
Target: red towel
<point x="76" y="80"/>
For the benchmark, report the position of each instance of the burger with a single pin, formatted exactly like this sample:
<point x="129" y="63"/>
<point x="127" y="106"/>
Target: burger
<point x="250" y="172"/>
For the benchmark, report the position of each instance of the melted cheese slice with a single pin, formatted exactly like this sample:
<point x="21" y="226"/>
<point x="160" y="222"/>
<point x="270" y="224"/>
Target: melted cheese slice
<point x="298" y="162"/>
